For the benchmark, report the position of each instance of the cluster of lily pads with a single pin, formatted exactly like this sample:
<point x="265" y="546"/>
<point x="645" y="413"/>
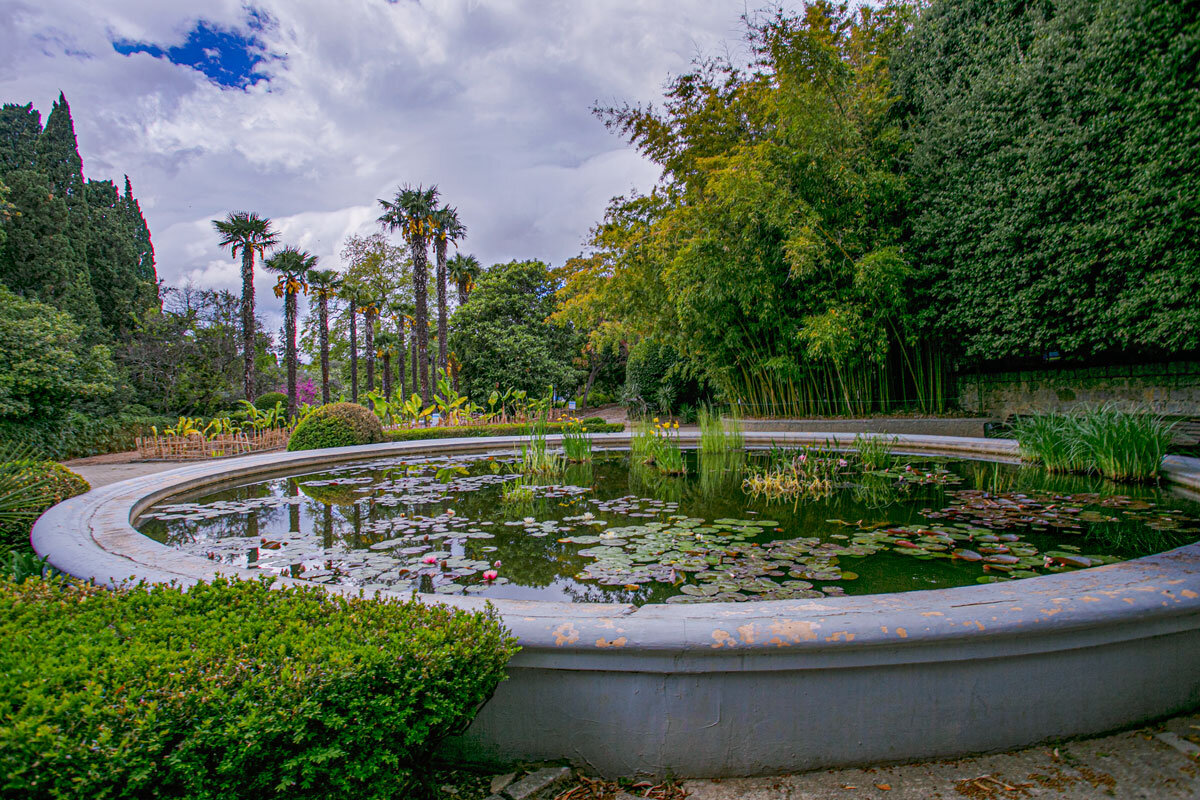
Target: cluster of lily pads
<point x="422" y="543"/>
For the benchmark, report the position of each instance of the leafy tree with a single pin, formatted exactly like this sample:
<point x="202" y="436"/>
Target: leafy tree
<point x="325" y="284"/>
<point x="447" y="228"/>
<point x="463" y="270"/>
<point x="411" y="212"/>
<point x="504" y="339"/>
<point x="292" y="265"/>
<point x="1054" y="165"/>
<point x="774" y="235"/>
<point x="44" y="366"/>
<point x="247" y="234"/>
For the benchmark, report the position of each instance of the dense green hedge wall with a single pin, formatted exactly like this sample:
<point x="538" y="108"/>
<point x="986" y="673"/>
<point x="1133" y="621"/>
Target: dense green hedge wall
<point x="75" y="434"/>
<point x="337" y="425"/>
<point x="1054" y="165"/>
<point x="593" y="425"/>
<point x="53" y="483"/>
<point x="231" y="690"/>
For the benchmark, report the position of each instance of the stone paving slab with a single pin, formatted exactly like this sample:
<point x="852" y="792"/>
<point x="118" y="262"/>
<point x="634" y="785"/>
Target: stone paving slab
<point x="1133" y="765"/>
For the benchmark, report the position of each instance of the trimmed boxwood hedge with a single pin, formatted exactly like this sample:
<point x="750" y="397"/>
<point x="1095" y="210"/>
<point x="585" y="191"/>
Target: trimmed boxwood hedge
<point x="595" y="425"/>
<point x="54" y="483"/>
<point x="232" y="690"/>
<point x="336" y="425"/>
<point x="266" y="402"/>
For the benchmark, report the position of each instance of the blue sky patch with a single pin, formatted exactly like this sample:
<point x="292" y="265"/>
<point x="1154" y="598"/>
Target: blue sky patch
<point x="226" y="58"/>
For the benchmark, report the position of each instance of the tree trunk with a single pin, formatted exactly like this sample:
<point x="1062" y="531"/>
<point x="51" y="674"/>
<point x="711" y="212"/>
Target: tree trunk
<point x="248" y="322"/>
<point x="353" y="355"/>
<point x="413" y="351"/>
<point x="387" y="373"/>
<point x="401" y="355"/>
<point x="421" y="292"/>
<point x="323" y="309"/>
<point x="462" y="295"/>
<point x="439" y="247"/>
<point x="369" y="345"/>
<point x="591" y="379"/>
<point x="289" y="324"/>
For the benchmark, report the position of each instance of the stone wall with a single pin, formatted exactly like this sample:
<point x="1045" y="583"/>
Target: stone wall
<point x="1171" y="389"/>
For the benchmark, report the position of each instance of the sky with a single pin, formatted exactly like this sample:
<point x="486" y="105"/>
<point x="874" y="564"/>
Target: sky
<point x="307" y="111"/>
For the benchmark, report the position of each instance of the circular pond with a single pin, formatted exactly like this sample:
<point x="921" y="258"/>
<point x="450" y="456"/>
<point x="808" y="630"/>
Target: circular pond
<point x="615" y="531"/>
<point x="893" y="669"/>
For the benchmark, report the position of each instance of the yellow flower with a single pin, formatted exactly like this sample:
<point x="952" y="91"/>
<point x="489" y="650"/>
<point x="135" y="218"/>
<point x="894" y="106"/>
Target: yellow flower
<point x="656" y="419"/>
<point x="676" y="424"/>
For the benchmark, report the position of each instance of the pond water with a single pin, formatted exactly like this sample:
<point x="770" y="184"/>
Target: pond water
<point x="609" y="532"/>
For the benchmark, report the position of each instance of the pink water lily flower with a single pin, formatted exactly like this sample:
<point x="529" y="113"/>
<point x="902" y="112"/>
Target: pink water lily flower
<point x="496" y="565"/>
<point x="490" y="574"/>
<point x="429" y="560"/>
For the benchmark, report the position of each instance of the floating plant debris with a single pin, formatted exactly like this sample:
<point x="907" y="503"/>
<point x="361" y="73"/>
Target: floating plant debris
<point x="604" y="533"/>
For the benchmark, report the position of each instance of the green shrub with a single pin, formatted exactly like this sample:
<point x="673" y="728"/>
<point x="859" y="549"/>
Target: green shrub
<point x="43" y="484"/>
<point x="266" y="402"/>
<point x="337" y="425"/>
<point x="232" y="690"/>
<point x="593" y="425"/>
<point x="655" y="380"/>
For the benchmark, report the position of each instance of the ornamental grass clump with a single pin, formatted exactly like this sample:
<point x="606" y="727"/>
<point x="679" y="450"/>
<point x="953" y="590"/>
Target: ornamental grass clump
<point x="1126" y="446"/>
<point x="658" y="444"/>
<point x="717" y="434"/>
<point x="874" y="452"/>
<point x="536" y="456"/>
<point x="232" y="690"/>
<point x="28" y="487"/>
<point x="576" y="441"/>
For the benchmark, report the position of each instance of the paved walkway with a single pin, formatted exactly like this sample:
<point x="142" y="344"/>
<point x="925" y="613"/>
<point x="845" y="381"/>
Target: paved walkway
<point x="1156" y="763"/>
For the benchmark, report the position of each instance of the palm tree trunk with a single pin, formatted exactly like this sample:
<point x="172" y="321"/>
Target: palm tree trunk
<point x="462" y="294"/>
<point x="400" y="356"/>
<point x="387" y="373"/>
<point x="248" y="322"/>
<point x="324" y="312"/>
<point x="439" y="247"/>
<point x="421" y="292"/>
<point x="289" y="324"/>
<point x="369" y="345"/>
<point x="353" y="355"/>
<point x="413" y="351"/>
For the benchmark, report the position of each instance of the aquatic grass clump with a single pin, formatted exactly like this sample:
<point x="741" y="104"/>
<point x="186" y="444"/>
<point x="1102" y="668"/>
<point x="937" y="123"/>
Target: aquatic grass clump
<point x="536" y="456"/>
<point x="576" y="441"/>
<point x="1126" y="446"/>
<point x="1051" y="440"/>
<point x="874" y="452"/>
<point x="1122" y="445"/>
<point x="657" y="444"/>
<point x="717" y="434"/>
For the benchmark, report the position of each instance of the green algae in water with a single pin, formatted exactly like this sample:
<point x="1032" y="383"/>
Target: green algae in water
<point x="609" y="532"/>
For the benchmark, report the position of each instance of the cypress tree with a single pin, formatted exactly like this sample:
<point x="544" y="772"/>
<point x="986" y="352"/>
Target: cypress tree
<point x="20" y="127"/>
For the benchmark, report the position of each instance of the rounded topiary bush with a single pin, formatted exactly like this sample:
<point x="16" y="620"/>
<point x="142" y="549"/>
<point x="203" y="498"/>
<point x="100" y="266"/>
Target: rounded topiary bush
<point x="267" y="401"/>
<point x="232" y="690"/>
<point x="336" y="425"/>
<point x="33" y="486"/>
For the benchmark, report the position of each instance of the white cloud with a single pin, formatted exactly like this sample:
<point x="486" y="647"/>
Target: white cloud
<point x="490" y="99"/>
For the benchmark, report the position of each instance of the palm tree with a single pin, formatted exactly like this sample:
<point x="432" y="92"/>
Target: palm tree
<point x="325" y="284"/>
<point x="464" y="270"/>
<point x="411" y="213"/>
<point x="448" y="228"/>
<point x="247" y="233"/>
<point x="292" y="265"/>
